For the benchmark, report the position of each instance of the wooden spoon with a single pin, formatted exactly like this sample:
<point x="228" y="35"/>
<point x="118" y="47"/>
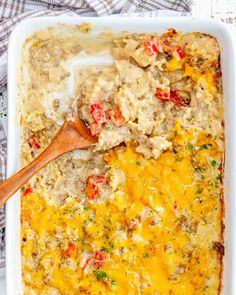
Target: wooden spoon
<point x="72" y="135"/>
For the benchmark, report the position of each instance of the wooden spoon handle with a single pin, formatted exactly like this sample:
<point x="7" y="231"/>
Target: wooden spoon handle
<point x="71" y="136"/>
<point x="12" y="184"/>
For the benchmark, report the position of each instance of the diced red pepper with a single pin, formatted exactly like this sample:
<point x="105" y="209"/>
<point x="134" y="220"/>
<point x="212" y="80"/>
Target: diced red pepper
<point x="34" y="142"/>
<point x="98" y="113"/>
<point x="99" y="116"/>
<point x="172" y="48"/>
<point x="28" y="190"/>
<point x="158" y="46"/>
<point x="151" y="47"/>
<point x="176" y="98"/>
<point x="163" y="95"/>
<point x="92" y="186"/>
<point x="87" y="262"/>
<point x="70" y="249"/>
<point x="99" y="258"/>
<point x="99" y="179"/>
<point x="92" y="191"/>
<point x="117" y="117"/>
<point x="173" y="96"/>
<point x="180" y="52"/>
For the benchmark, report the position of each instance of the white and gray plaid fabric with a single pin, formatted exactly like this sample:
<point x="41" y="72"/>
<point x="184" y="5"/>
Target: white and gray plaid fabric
<point x="2" y="209"/>
<point x="13" y="11"/>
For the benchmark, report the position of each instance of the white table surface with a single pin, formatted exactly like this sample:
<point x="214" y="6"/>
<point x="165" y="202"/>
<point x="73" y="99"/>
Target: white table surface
<point x="220" y="9"/>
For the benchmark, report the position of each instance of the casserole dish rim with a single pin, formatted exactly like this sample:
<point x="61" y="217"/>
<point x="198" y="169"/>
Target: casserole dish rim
<point x="134" y="24"/>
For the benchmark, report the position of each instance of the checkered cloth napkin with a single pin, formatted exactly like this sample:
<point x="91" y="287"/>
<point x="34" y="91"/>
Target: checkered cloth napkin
<point x="2" y="209"/>
<point x="13" y="11"/>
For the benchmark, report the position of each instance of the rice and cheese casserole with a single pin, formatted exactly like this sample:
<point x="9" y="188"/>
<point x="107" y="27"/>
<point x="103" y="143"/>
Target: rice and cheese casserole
<point x="141" y="212"/>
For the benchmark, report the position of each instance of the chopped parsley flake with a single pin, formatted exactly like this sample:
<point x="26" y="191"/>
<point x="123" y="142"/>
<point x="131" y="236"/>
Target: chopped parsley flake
<point x="218" y="177"/>
<point x="101" y="274"/>
<point x="207" y="146"/>
<point x="138" y="164"/>
<point x="199" y="190"/>
<point x="104" y="249"/>
<point x="214" y="163"/>
<point x="110" y="244"/>
<point x="190" y="147"/>
<point x="83" y="241"/>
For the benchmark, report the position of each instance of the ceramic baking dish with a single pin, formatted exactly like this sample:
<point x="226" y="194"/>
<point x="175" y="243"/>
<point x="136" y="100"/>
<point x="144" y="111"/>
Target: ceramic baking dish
<point x="118" y="24"/>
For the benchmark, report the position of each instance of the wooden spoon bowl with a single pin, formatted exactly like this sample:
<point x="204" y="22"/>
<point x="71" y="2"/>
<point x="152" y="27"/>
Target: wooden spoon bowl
<point x="73" y="135"/>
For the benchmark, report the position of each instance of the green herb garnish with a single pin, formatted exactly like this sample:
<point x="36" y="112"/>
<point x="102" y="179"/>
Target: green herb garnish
<point x="110" y="244"/>
<point x="214" y="163"/>
<point x="138" y="163"/>
<point x="199" y="190"/>
<point x="190" y="147"/>
<point x="207" y="146"/>
<point x="218" y="177"/>
<point x="83" y="241"/>
<point x="104" y="249"/>
<point x="101" y="274"/>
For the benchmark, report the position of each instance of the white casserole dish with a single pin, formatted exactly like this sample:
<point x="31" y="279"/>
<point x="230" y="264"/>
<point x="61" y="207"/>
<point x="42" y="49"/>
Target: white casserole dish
<point x="118" y="24"/>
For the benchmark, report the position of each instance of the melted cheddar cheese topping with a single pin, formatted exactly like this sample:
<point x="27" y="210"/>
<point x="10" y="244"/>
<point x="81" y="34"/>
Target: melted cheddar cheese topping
<point x="158" y="230"/>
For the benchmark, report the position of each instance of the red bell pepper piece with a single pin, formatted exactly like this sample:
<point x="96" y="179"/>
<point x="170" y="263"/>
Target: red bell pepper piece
<point x="70" y="249"/>
<point x="92" y="186"/>
<point x="99" y="258"/>
<point x="28" y="190"/>
<point x="151" y="47"/>
<point x="34" y="142"/>
<point x="98" y="113"/>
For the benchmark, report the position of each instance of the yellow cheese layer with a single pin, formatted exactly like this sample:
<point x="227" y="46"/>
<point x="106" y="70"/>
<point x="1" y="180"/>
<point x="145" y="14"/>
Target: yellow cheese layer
<point x="206" y="78"/>
<point x="175" y="204"/>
